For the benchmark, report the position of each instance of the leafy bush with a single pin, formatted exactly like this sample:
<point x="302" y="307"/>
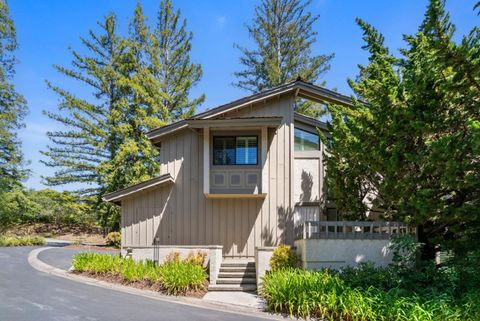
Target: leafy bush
<point x="175" y="277"/>
<point x="196" y="258"/>
<point x="325" y="295"/>
<point x="283" y="257"/>
<point x="21" y="241"/>
<point x="114" y="239"/>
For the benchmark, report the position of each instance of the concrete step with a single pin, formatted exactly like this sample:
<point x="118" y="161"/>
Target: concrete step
<point x="231" y="269"/>
<point x="238" y="264"/>
<point x="229" y="287"/>
<point x="237" y="281"/>
<point x="242" y="274"/>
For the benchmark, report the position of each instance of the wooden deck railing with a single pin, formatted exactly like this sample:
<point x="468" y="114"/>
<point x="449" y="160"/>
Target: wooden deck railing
<point x="352" y="230"/>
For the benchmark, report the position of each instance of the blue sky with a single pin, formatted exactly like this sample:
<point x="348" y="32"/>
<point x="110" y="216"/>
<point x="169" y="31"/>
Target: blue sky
<point x="46" y="29"/>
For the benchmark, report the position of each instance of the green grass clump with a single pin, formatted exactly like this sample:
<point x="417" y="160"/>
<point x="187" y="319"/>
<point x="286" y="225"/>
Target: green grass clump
<point x="175" y="277"/>
<point x="21" y="240"/>
<point x="325" y="295"/>
<point x="181" y="277"/>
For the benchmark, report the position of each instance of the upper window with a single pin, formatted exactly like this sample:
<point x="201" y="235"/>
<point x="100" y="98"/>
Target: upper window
<point x="306" y="141"/>
<point x="240" y="150"/>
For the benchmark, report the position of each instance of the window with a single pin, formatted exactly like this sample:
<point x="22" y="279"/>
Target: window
<point x="305" y="141"/>
<point x="241" y="150"/>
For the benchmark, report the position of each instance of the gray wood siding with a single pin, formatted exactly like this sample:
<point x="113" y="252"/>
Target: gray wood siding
<point x="180" y="214"/>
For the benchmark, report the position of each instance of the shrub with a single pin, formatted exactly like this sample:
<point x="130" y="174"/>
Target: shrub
<point x="283" y="257"/>
<point x="114" y="239"/>
<point x="175" y="276"/>
<point x="172" y="257"/>
<point x="196" y="258"/>
<point x="325" y="295"/>
<point x="21" y="241"/>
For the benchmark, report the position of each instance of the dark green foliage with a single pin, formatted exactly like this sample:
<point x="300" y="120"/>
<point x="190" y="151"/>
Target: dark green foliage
<point x="137" y="83"/>
<point x="44" y="206"/>
<point x="13" y="107"/>
<point x="283" y="34"/>
<point x="176" y="277"/>
<point x="283" y="257"/>
<point x="414" y="148"/>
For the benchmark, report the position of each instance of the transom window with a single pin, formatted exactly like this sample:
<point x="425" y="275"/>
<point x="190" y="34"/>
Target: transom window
<point x="305" y="141"/>
<point x="235" y="150"/>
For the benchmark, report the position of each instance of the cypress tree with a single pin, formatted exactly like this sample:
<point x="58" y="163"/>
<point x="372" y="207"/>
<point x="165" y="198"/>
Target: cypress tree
<point x="12" y="107"/>
<point x="414" y="147"/>
<point x="283" y="34"/>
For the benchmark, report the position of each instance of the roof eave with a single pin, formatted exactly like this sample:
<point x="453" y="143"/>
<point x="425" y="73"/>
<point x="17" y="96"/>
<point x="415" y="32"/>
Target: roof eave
<point x="117" y="196"/>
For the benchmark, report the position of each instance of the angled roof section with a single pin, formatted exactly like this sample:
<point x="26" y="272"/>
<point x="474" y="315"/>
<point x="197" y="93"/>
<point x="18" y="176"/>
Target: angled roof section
<point x="117" y="196"/>
<point x="298" y="87"/>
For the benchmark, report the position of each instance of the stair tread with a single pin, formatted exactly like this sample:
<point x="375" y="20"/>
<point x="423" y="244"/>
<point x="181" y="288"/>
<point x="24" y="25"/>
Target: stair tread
<point x="237" y="281"/>
<point x="232" y="287"/>
<point x="236" y="275"/>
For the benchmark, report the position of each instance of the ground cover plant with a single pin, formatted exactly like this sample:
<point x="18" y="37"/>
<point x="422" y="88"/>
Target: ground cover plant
<point x="327" y="295"/>
<point x="174" y="276"/>
<point x="21" y="240"/>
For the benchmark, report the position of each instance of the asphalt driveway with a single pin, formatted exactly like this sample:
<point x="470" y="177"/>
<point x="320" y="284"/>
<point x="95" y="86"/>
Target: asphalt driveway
<point x="27" y="294"/>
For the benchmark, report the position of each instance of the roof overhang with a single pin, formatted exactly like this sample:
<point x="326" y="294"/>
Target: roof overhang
<point x="310" y="121"/>
<point x="296" y="88"/>
<point x="117" y="196"/>
<point x="243" y="122"/>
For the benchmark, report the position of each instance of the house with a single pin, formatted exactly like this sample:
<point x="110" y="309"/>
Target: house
<point x="237" y="180"/>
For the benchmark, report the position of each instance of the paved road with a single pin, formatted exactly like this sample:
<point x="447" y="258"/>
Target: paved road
<point x="27" y="294"/>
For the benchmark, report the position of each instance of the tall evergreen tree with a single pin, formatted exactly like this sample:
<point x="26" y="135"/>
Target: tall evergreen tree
<point x="87" y="139"/>
<point x="137" y="84"/>
<point x="171" y="65"/>
<point x="12" y="107"/>
<point x="283" y="34"/>
<point x="415" y="145"/>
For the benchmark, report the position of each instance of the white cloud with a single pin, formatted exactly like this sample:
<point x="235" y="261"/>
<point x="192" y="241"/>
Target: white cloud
<point x="221" y="20"/>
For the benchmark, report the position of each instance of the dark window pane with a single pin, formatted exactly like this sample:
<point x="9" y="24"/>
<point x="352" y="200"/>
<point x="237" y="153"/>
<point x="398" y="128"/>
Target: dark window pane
<point x="247" y="148"/>
<point x="223" y="150"/>
<point x="306" y="141"/>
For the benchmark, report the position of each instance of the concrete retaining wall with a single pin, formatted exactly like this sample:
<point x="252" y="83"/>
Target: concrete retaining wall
<point x="337" y="253"/>
<point x="212" y="261"/>
<point x="262" y="261"/>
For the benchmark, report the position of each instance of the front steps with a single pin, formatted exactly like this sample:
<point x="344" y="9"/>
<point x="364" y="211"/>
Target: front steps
<point x="236" y="275"/>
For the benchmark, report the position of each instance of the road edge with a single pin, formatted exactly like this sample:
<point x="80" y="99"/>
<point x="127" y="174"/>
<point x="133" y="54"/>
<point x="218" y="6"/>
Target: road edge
<point x="41" y="266"/>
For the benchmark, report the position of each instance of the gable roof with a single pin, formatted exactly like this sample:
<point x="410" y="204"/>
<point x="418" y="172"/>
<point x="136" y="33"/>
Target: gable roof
<point x="117" y="196"/>
<point x="298" y="87"/>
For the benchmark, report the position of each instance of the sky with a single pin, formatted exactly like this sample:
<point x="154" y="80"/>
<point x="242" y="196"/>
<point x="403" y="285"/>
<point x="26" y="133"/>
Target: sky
<point x="47" y="29"/>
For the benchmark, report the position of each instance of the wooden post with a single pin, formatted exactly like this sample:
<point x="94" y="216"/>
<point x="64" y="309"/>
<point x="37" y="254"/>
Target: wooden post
<point x="206" y="160"/>
<point x="265" y="175"/>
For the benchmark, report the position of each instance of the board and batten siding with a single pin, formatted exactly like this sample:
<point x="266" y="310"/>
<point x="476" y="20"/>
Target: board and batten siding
<point x="180" y="214"/>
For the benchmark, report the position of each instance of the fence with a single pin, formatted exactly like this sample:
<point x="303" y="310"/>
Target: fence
<point x="352" y="230"/>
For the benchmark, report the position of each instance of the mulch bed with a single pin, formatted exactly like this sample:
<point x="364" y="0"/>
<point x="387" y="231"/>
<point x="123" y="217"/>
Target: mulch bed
<point x="91" y="248"/>
<point x="143" y="285"/>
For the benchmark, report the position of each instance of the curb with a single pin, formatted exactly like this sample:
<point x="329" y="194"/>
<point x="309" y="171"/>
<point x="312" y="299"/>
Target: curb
<point x="41" y="266"/>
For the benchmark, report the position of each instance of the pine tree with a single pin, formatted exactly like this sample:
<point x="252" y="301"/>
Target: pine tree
<point x="88" y="138"/>
<point x="415" y="145"/>
<point x="135" y="88"/>
<point x="171" y="65"/>
<point x="283" y="34"/>
<point x="12" y="107"/>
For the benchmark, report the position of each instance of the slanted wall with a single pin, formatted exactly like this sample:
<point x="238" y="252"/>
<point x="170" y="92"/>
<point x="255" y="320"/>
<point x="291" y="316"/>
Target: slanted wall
<point x="180" y="214"/>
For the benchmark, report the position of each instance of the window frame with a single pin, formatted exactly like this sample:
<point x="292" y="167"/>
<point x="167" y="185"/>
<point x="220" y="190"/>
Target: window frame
<point x="235" y="150"/>
<point x="309" y="132"/>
